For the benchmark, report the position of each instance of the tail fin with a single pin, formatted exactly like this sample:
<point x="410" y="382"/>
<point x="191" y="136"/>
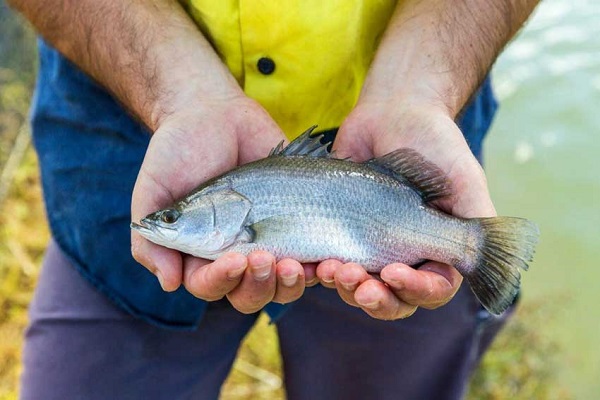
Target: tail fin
<point x="508" y="245"/>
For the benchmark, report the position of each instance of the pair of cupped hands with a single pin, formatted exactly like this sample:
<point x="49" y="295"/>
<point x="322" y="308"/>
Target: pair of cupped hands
<point x="203" y="139"/>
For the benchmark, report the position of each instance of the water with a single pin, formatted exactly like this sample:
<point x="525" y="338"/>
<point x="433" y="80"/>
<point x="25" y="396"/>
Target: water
<point x="542" y="162"/>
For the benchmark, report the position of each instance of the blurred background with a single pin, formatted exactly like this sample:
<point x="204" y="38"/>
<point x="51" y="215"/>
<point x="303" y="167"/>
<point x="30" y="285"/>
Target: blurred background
<point x="542" y="163"/>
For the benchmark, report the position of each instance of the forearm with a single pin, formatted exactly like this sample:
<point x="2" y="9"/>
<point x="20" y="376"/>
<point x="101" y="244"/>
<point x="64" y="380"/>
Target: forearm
<point x="145" y="52"/>
<point x="439" y="51"/>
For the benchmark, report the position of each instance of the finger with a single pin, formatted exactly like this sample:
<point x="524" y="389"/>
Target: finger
<point x="165" y="263"/>
<point x="347" y="279"/>
<point x="290" y="281"/>
<point x="211" y="281"/>
<point x="310" y="273"/>
<point x="431" y="286"/>
<point x="326" y="272"/>
<point x="377" y="300"/>
<point x="258" y="284"/>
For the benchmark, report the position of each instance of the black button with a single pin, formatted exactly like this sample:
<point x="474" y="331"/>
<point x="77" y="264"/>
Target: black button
<point x="266" y="66"/>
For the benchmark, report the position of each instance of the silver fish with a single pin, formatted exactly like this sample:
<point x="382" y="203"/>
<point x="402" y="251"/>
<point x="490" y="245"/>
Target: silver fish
<point x="301" y="202"/>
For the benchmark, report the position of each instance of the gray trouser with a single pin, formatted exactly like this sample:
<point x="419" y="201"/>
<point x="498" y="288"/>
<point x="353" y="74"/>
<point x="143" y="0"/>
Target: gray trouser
<point x="80" y="346"/>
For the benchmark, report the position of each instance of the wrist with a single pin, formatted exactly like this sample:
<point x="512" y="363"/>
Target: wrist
<point x="413" y="86"/>
<point x="188" y="74"/>
<point x="149" y="55"/>
<point x="440" y="52"/>
<point x="190" y="92"/>
<point x="401" y="106"/>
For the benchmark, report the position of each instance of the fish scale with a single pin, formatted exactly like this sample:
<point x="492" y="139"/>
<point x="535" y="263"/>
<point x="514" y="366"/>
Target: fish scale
<point x="380" y="222"/>
<point x="301" y="203"/>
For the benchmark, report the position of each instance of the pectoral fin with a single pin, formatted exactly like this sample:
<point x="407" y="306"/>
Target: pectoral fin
<point x="273" y="227"/>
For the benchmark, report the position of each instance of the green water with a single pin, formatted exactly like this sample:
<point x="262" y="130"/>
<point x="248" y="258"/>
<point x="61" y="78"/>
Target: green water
<point x="542" y="158"/>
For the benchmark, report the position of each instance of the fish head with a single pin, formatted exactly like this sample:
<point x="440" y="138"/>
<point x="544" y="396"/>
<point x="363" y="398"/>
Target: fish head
<point x="204" y="227"/>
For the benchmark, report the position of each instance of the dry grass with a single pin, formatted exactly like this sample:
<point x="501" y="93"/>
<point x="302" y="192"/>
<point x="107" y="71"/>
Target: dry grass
<point x="523" y="362"/>
<point x="256" y="374"/>
<point x="23" y="237"/>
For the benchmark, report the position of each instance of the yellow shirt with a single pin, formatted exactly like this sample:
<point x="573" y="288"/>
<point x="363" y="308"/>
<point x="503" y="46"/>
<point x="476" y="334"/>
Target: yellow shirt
<point x="304" y="60"/>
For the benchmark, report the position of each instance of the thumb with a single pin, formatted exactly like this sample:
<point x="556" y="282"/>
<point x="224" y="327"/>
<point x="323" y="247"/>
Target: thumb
<point x="165" y="263"/>
<point x="470" y="194"/>
<point x="353" y="140"/>
<point x="257" y="134"/>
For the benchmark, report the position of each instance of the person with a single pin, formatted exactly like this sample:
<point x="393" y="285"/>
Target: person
<point x="139" y="102"/>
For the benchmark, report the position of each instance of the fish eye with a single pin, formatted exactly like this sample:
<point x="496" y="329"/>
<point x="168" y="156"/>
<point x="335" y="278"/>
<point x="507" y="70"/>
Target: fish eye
<point x="169" y="216"/>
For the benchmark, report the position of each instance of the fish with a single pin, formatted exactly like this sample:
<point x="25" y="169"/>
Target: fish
<point x="304" y="203"/>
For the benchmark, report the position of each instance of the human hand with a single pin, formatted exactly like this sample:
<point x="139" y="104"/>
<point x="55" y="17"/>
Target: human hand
<point x="374" y="129"/>
<point x="197" y="142"/>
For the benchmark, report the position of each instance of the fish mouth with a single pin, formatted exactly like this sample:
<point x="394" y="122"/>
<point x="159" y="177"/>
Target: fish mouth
<point x="144" y="227"/>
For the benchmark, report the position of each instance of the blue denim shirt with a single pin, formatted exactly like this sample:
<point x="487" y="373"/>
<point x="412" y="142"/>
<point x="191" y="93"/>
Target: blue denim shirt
<point x="90" y="151"/>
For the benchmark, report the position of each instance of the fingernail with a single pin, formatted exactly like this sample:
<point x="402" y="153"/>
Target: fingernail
<point x="289" y="281"/>
<point x="236" y="273"/>
<point x="160" y="279"/>
<point x="261" y="272"/>
<point x="311" y="281"/>
<point x="327" y="279"/>
<point x="348" y="286"/>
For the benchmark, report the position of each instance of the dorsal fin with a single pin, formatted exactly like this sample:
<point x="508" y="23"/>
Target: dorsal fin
<point x="306" y="144"/>
<point x="410" y="166"/>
